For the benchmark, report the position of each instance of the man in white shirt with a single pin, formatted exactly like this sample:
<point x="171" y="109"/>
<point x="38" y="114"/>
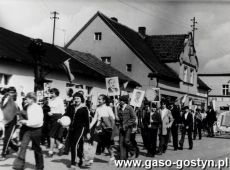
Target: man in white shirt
<point x="32" y="132"/>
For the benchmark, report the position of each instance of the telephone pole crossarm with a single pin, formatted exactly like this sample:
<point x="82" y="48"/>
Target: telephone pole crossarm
<point x="55" y="13"/>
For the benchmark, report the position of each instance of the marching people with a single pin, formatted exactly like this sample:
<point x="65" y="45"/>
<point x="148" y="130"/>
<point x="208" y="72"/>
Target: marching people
<point x="177" y="120"/>
<point x="127" y="118"/>
<point x="211" y="118"/>
<point x="10" y="111"/>
<point x="105" y="120"/>
<point x="142" y="121"/>
<point x="78" y="129"/>
<point x="167" y="121"/>
<point x="187" y="127"/>
<point x="57" y="110"/>
<point x="32" y="132"/>
<point x="197" y="124"/>
<point x="153" y="121"/>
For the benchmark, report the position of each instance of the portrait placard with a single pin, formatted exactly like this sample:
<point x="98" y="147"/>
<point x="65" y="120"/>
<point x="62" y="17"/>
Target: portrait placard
<point x="153" y="94"/>
<point x="137" y="97"/>
<point x="112" y="86"/>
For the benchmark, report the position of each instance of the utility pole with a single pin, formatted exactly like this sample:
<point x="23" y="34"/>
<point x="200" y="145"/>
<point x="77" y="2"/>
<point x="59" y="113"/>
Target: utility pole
<point x="193" y="29"/>
<point x="55" y="13"/>
<point x="37" y="50"/>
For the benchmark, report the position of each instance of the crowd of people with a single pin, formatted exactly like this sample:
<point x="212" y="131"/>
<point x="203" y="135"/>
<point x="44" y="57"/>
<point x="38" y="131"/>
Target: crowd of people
<point x="158" y="123"/>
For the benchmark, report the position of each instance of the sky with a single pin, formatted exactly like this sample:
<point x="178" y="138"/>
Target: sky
<point x="212" y="38"/>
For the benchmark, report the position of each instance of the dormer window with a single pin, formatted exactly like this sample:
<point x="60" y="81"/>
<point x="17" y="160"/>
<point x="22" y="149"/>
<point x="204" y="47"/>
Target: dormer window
<point x="185" y="76"/>
<point x="191" y="76"/>
<point x="97" y="36"/>
<point x="106" y="60"/>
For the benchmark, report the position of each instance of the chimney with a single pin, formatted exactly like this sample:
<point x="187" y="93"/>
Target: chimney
<point x="114" y="19"/>
<point x="142" y="31"/>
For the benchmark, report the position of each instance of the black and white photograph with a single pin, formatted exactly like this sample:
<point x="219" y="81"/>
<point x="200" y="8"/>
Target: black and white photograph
<point x="114" y="84"/>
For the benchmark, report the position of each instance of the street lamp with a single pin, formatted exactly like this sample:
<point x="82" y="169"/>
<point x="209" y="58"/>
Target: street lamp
<point x="37" y="49"/>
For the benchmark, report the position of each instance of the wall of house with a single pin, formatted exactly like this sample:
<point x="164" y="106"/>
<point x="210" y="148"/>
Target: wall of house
<point x="216" y="96"/>
<point x="215" y="83"/>
<point x="112" y="46"/>
<point x="22" y="78"/>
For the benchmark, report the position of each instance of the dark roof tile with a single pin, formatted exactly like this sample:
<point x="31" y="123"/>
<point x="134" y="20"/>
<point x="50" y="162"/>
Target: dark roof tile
<point x="167" y="47"/>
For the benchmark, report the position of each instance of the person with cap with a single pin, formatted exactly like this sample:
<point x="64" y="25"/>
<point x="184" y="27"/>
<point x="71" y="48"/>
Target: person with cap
<point x="153" y="121"/>
<point x="10" y="110"/>
<point x="197" y="124"/>
<point x="187" y="127"/>
<point x="127" y="118"/>
<point x="32" y="132"/>
<point x="167" y="121"/>
<point x="78" y="129"/>
<point x="57" y="109"/>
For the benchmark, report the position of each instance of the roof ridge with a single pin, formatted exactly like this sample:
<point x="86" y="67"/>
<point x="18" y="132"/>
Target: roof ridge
<point x="116" y="22"/>
<point x="169" y="35"/>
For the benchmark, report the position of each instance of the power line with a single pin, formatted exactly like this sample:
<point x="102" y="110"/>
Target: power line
<point x="153" y="15"/>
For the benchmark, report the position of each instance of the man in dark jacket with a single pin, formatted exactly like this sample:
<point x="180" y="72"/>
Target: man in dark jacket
<point x="153" y="122"/>
<point x="187" y="127"/>
<point x="197" y="124"/>
<point x="211" y="118"/>
<point x="127" y="118"/>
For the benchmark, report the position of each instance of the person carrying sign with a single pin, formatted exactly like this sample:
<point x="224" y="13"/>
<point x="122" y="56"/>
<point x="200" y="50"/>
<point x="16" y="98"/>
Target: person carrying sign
<point x="127" y="118"/>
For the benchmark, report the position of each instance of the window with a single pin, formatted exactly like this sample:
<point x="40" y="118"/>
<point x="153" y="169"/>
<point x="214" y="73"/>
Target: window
<point x="106" y="60"/>
<point x="129" y="67"/>
<point x="225" y="89"/>
<point x="185" y="74"/>
<point x="191" y="76"/>
<point x="97" y="36"/>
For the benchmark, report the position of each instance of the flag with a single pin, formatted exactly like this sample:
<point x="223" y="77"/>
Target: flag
<point x="68" y="71"/>
<point x="125" y="84"/>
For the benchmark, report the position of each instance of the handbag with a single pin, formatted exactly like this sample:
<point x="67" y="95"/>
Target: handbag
<point x="89" y="151"/>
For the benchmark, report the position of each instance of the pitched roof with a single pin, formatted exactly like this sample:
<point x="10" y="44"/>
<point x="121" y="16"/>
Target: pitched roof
<point x="14" y="47"/>
<point x="137" y="44"/>
<point x="202" y="85"/>
<point x="167" y="47"/>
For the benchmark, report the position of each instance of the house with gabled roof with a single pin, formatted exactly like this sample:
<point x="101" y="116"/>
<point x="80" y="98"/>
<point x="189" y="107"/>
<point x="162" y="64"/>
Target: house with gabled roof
<point x="219" y="97"/>
<point x="168" y="62"/>
<point x="17" y="67"/>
